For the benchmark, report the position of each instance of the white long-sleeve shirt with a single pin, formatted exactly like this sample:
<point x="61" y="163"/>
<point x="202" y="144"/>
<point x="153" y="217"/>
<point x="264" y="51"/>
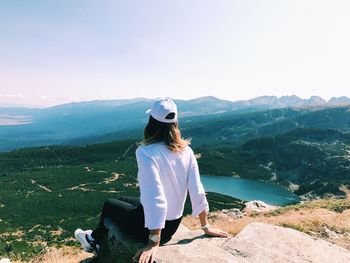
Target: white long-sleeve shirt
<point x="164" y="178"/>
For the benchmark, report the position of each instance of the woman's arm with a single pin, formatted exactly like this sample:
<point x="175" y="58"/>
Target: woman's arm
<point x="147" y="254"/>
<point x="195" y="188"/>
<point x="203" y="218"/>
<point x="199" y="201"/>
<point x="207" y="228"/>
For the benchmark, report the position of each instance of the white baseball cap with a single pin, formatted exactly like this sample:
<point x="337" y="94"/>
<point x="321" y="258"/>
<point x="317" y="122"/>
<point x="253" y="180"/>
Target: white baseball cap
<point x="161" y="110"/>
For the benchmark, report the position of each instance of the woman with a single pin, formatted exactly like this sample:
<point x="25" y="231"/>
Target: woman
<point x="167" y="169"/>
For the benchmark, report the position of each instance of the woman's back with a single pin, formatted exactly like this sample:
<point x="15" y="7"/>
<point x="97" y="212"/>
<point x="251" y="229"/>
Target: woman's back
<point x="165" y="176"/>
<point x="170" y="170"/>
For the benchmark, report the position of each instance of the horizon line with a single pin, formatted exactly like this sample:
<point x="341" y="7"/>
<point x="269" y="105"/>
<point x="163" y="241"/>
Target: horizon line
<point x="67" y="101"/>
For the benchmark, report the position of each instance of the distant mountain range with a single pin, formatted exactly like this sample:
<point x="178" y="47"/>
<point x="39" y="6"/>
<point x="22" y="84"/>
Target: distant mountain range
<point x="292" y="101"/>
<point x="78" y="122"/>
<point x="268" y="101"/>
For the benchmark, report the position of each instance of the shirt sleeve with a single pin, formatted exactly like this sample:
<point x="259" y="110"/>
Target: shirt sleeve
<point x="195" y="188"/>
<point x="152" y="195"/>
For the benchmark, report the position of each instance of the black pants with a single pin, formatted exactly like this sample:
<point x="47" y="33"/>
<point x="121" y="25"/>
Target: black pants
<point x="127" y="213"/>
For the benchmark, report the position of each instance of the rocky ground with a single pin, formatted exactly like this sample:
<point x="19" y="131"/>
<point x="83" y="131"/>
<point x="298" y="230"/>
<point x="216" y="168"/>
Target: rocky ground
<point x="325" y="219"/>
<point x="312" y="231"/>
<point x="257" y="242"/>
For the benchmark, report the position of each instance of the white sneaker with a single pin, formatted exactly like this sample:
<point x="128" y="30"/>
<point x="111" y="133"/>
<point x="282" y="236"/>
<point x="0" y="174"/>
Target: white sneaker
<point x="80" y="235"/>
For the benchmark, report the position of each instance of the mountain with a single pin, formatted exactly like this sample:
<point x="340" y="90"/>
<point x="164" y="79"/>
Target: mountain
<point x="22" y="127"/>
<point x="65" y="123"/>
<point x="339" y="101"/>
<point x="234" y="128"/>
<point x="59" y="124"/>
<point x="270" y="102"/>
<point x="316" y="101"/>
<point x="204" y="105"/>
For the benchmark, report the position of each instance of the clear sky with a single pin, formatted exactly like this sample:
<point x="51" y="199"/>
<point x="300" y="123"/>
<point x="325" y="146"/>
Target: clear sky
<point x="59" y="51"/>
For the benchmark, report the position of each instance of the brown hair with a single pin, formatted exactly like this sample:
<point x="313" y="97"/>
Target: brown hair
<point x="169" y="133"/>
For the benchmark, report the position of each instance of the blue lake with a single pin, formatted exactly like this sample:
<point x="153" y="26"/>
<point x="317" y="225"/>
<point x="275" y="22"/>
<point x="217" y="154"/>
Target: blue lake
<point x="249" y="190"/>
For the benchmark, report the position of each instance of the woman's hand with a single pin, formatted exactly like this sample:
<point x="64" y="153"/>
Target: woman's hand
<point x="215" y="232"/>
<point x="147" y="253"/>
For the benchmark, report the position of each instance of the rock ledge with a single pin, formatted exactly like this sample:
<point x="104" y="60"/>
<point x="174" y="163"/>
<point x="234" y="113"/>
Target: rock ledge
<point x="257" y="242"/>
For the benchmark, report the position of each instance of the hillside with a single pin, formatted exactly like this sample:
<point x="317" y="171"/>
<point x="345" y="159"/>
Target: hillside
<point x="235" y="129"/>
<point x="47" y="192"/>
<point x="312" y="162"/>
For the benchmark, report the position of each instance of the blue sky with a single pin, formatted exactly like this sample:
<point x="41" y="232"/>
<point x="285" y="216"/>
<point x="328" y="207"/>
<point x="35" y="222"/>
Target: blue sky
<point x="53" y="52"/>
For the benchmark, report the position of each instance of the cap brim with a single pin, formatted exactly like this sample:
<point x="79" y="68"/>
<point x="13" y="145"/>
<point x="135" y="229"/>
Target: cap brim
<point x="148" y="111"/>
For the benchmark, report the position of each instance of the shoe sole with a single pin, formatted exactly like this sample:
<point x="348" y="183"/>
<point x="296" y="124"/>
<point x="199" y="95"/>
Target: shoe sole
<point x="76" y="234"/>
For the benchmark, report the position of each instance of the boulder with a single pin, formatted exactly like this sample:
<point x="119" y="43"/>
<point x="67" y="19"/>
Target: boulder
<point x="234" y="213"/>
<point x="258" y="206"/>
<point x="257" y="242"/>
<point x="260" y="242"/>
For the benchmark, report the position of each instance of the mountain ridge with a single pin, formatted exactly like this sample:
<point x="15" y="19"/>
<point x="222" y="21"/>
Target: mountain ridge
<point x="283" y="101"/>
<point x="81" y="123"/>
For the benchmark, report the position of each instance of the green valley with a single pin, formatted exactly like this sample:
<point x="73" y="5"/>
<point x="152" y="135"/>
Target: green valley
<point x="47" y="192"/>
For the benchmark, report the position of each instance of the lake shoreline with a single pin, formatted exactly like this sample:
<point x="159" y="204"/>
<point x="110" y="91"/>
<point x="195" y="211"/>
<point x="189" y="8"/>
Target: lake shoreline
<point x="249" y="189"/>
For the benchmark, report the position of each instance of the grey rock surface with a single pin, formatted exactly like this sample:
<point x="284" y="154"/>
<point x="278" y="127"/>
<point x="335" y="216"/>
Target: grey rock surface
<point x="260" y="242"/>
<point x="258" y="206"/>
<point x="257" y="242"/>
